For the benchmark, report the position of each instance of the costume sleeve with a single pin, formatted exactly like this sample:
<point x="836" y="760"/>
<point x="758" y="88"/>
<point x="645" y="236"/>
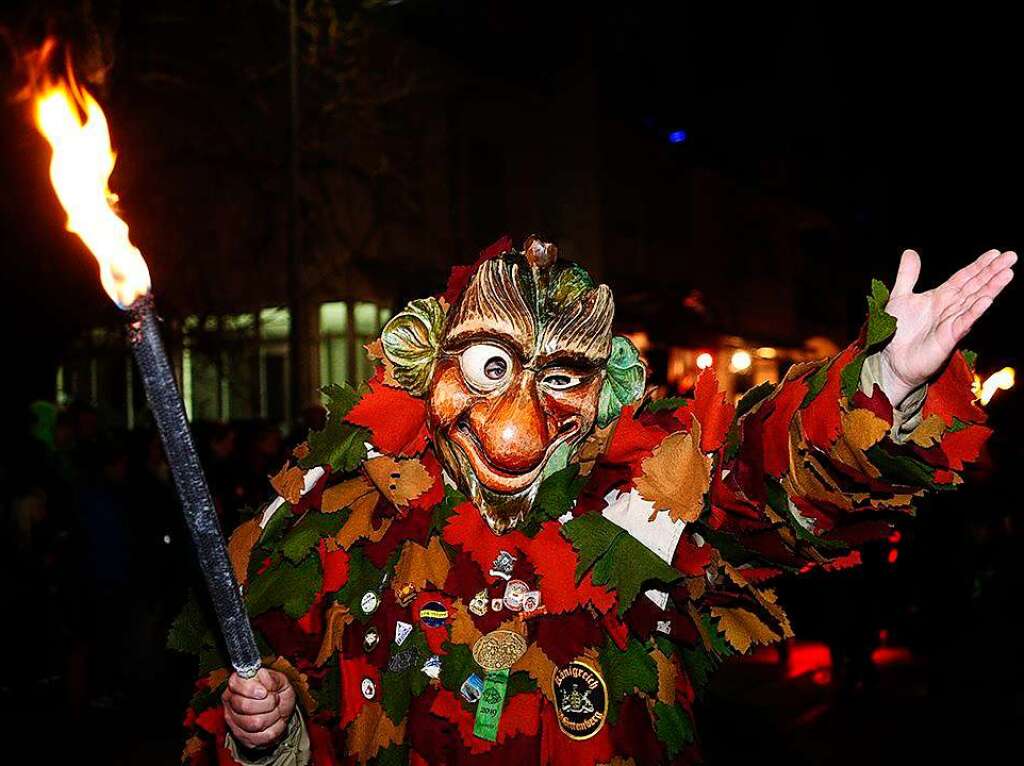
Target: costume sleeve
<point x="292" y="750"/>
<point x="824" y="461"/>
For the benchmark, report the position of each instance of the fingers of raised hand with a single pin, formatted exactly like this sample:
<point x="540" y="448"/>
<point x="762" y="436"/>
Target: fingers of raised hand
<point x="994" y="268"/>
<point x="989" y="282"/>
<point x="972" y="268"/>
<point x="962" y="323"/>
<point x="906" y="277"/>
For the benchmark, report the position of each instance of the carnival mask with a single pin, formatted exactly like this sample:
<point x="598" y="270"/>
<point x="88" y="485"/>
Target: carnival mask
<point x="515" y="374"/>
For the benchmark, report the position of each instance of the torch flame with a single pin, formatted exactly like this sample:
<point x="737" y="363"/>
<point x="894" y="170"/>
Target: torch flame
<point x="1002" y="380"/>
<point x="80" y="167"/>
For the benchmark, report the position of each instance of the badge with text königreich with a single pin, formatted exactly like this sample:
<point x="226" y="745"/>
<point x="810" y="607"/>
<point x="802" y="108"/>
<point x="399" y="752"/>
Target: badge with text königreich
<point x="581" y="700"/>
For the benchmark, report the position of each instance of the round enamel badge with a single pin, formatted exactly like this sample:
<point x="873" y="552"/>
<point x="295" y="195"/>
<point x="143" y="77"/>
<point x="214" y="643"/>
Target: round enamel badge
<point x="581" y="700"/>
<point x="433" y="614"/>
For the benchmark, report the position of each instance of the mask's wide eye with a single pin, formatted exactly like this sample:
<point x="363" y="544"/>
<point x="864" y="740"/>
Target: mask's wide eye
<point x="560" y="381"/>
<point x="485" y="366"/>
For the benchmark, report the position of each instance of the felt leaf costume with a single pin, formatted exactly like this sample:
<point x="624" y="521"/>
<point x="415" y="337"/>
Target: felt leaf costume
<point x="623" y="543"/>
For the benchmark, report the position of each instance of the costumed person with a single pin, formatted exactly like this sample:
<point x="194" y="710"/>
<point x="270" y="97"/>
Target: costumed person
<point x="501" y="551"/>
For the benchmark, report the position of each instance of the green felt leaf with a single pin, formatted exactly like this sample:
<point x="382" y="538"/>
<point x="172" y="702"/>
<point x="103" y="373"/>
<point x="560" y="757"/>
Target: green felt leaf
<point x="302" y="540"/>
<point x="626" y="671"/>
<point x="971" y="357"/>
<point x="699" y="667"/>
<point x="519" y="682"/>
<point x="456" y="667"/>
<point x="557" y="494"/>
<point x="328" y="692"/>
<point x="392" y="755"/>
<point x="444" y="510"/>
<point x="881" y="326"/>
<point x="567" y="287"/>
<point x="753" y="397"/>
<point x="410" y="341"/>
<point x="667" y="403"/>
<point x="340" y="445"/>
<point x="624" y="380"/>
<point x="673" y="727"/>
<point x="718" y="641"/>
<point x="398" y="689"/>
<point x="289" y="586"/>
<point x="363" y="576"/>
<point x="779" y="502"/>
<point x="902" y="469"/>
<point x="815" y="383"/>
<point x="616" y="558"/>
<point x="850" y="375"/>
<point x="189" y="633"/>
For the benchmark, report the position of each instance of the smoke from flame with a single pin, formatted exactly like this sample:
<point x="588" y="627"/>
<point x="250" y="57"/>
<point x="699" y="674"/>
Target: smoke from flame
<point x="80" y="167"/>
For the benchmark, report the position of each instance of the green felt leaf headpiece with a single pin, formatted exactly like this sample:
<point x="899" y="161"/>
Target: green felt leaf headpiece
<point x="411" y="340"/>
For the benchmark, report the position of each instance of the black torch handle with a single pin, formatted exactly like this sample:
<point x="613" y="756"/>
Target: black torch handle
<point x="196" y="502"/>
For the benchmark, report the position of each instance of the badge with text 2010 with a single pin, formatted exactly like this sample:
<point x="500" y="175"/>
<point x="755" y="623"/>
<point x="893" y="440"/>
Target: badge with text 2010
<point x="581" y="699"/>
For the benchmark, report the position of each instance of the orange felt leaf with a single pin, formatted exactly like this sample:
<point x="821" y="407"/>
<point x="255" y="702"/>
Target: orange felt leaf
<point x="863" y="428"/>
<point x="371" y="732"/>
<point x="928" y="432"/>
<point x="240" y="546"/>
<point x="420" y="565"/>
<point x="343" y="495"/>
<point x="396" y="419"/>
<point x="400" y="481"/>
<point x="288" y="483"/>
<point x="677" y="475"/>
<point x="375" y="351"/>
<point x="300" y="450"/>
<point x="299" y="680"/>
<point x="540" y="668"/>
<point x="463" y="629"/>
<point x="193" y="745"/>
<point x="742" y="628"/>
<point x="951" y="395"/>
<point x="667" y="674"/>
<point x="360" y="522"/>
<point x="334" y="628"/>
<point x="822" y="417"/>
<point x="712" y="409"/>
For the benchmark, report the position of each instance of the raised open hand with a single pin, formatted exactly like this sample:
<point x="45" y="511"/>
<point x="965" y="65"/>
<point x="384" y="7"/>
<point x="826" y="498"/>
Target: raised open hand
<point x="930" y="324"/>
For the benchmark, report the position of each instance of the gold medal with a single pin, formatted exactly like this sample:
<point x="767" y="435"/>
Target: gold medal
<point x="499" y="649"/>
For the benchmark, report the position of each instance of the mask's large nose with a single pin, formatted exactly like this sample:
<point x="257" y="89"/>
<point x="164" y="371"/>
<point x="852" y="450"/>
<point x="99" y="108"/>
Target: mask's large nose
<point x="513" y="431"/>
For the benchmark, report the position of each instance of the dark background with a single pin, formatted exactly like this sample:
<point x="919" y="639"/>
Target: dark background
<point x="865" y="129"/>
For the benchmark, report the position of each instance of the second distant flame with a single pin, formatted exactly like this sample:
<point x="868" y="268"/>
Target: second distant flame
<point x="80" y="167"/>
<point x="1001" y="380"/>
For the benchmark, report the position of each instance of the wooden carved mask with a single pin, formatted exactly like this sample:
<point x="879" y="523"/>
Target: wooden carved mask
<point x="515" y="374"/>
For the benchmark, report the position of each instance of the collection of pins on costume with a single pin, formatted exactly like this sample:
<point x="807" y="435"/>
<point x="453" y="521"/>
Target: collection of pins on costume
<point x="580" y="696"/>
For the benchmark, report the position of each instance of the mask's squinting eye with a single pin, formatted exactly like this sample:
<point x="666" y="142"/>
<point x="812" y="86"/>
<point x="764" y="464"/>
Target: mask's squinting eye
<point x="485" y="367"/>
<point x="559" y="381"/>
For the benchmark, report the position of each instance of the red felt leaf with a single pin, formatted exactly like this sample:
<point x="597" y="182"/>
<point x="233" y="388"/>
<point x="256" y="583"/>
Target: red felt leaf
<point x="774" y="425"/>
<point x="712" y="409"/>
<point x="951" y="394"/>
<point x="212" y="720"/>
<point x="564" y="637"/>
<point x="335" y="567"/>
<point x="691" y="560"/>
<point x="822" y="418"/>
<point x="964" y="446"/>
<point x="520" y="715"/>
<point x="633" y="439"/>
<point x="353" y="670"/>
<point x="396" y="419"/>
<point x="878" y="404"/>
<point x="460" y="275"/>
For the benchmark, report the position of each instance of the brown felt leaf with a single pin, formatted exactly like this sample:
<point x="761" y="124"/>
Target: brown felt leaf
<point x="863" y="428"/>
<point x="540" y="668"/>
<point x="463" y="629"/>
<point x="593" y="447"/>
<point x="300" y="450"/>
<point x="848" y="455"/>
<point x="193" y="745"/>
<point x="288" y="483"/>
<point x="742" y="628"/>
<point x="334" y="629"/>
<point x="375" y="351"/>
<point x="696" y="587"/>
<point x="420" y="565"/>
<point x="299" y="680"/>
<point x="343" y="495"/>
<point x="929" y="432"/>
<point x="667" y="673"/>
<point x="677" y="475"/>
<point x="371" y="732"/>
<point x="398" y="480"/>
<point x="360" y="522"/>
<point x="240" y="546"/>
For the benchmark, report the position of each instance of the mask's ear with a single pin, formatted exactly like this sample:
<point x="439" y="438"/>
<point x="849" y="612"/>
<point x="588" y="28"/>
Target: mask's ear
<point x="624" y="380"/>
<point x="410" y="341"/>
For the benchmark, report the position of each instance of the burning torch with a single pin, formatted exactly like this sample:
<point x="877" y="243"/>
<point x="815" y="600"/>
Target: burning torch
<point x="82" y="160"/>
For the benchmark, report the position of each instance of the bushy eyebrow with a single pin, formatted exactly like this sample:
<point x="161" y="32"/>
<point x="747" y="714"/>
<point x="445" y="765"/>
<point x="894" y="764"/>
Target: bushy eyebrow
<point x="492" y="305"/>
<point x="584" y="329"/>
